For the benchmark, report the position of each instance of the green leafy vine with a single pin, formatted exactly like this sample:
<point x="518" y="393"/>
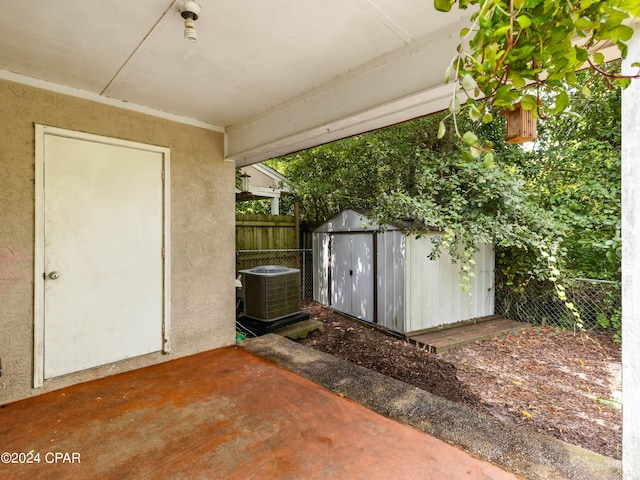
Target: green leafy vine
<point x="527" y="53"/>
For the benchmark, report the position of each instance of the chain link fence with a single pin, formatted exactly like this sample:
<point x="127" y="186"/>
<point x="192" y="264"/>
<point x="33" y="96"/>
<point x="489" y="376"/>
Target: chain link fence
<point x="598" y="302"/>
<point x="300" y="259"/>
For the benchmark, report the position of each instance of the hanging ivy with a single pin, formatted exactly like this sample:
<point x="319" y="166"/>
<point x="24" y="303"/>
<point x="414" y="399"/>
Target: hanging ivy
<point x="527" y="52"/>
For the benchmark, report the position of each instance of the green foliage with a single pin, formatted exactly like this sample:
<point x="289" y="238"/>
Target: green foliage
<point x="254" y="206"/>
<point x="574" y="172"/>
<point x="238" y="178"/>
<point x="552" y="211"/>
<point x="528" y="52"/>
<point x="612" y="323"/>
<point x="472" y="204"/>
<point x="610" y="316"/>
<point x="406" y="173"/>
<point x="357" y="171"/>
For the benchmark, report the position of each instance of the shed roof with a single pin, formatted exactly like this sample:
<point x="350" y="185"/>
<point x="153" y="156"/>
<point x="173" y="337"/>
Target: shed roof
<point x="358" y="220"/>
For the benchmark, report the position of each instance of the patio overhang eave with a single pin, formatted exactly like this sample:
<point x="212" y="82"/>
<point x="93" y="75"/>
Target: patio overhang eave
<point x="405" y="85"/>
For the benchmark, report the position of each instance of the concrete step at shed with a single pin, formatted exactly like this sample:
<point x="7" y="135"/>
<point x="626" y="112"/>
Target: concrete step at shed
<point x="299" y="329"/>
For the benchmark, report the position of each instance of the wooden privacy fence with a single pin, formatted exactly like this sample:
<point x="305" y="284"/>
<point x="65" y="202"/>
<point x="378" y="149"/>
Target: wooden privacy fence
<point x="301" y="259"/>
<point x="266" y="232"/>
<point x="273" y="240"/>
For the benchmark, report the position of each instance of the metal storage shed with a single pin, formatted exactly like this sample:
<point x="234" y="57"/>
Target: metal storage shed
<point x="386" y="277"/>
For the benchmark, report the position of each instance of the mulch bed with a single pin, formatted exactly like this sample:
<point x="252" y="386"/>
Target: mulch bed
<point x="549" y="380"/>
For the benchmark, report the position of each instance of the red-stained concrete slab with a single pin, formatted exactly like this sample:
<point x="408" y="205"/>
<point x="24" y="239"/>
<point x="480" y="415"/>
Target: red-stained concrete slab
<point x="224" y="414"/>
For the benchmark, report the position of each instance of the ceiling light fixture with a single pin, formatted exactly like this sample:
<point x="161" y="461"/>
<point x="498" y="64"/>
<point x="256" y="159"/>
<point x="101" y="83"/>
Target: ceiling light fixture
<point x="189" y="10"/>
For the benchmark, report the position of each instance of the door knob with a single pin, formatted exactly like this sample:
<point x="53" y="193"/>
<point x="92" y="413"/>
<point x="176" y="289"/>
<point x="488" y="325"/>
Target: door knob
<point x="54" y="275"/>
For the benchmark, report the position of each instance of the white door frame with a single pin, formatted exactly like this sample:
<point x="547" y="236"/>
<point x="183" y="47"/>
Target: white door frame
<point x="38" y="281"/>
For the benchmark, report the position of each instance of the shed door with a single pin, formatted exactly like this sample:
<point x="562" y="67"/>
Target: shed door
<point x="352" y="279"/>
<point x="103" y="260"/>
<point x="340" y="267"/>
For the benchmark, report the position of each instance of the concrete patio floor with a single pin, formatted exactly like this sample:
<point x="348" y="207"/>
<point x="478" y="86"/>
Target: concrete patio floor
<point x="225" y="414"/>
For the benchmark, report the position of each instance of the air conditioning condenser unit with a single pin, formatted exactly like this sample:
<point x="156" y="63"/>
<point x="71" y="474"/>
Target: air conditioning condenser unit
<point x="271" y="292"/>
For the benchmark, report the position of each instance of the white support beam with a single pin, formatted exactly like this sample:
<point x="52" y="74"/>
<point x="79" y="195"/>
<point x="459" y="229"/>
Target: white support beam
<point x="631" y="269"/>
<point x="392" y="89"/>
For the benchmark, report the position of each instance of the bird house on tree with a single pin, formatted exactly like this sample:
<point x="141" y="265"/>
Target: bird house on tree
<point x="521" y="125"/>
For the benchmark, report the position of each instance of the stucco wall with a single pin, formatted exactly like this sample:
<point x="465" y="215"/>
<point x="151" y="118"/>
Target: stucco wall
<point x="202" y="228"/>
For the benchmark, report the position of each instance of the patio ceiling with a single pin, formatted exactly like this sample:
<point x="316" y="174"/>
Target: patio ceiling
<point x="276" y="76"/>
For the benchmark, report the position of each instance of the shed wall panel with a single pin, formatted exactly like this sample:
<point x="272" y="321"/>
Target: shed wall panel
<point x="424" y="283"/>
<point x="435" y="296"/>
<point x="390" y="280"/>
<point x="483" y="293"/>
<point x="320" y="249"/>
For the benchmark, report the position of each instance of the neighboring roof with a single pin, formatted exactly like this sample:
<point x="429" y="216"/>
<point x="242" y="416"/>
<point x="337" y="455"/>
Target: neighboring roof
<point x="264" y="182"/>
<point x="277" y="177"/>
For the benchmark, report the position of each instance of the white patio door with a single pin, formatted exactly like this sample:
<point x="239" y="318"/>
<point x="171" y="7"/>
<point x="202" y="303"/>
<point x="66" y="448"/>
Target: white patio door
<point x="352" y="280"/>
<point x="102" y="224"/>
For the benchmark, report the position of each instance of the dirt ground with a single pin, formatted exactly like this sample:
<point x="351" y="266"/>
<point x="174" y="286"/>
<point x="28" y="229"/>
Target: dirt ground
<point x="552" y="381"/>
